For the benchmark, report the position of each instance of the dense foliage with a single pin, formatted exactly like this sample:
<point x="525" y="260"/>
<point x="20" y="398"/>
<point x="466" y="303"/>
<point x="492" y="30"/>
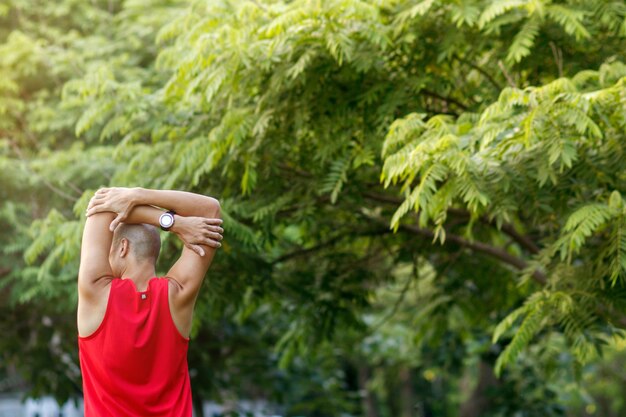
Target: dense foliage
<point x="423" y="199"/>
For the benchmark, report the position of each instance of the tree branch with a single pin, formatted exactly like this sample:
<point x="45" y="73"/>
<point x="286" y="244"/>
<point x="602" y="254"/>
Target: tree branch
<point x="295" y="170"/>
<point x="507" y="75"/>
<point x="482" y="71"/>
<point x="394" y="309"/>
<point x="329" y="242"/>
<point x="47" y="183"/>
<point x="507" y="228"/>
<point x="558" y="57"/>
<point x="523" y="240"/>
<point x="444" y="98"/>
<point x="481" y="247"/>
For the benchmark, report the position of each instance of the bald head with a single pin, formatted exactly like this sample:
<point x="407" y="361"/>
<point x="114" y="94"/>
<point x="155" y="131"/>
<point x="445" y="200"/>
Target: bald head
<point x="144" y="240"/>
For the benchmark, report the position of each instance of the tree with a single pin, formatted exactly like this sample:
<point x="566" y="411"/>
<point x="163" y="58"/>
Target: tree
<point x="343" y="138"/>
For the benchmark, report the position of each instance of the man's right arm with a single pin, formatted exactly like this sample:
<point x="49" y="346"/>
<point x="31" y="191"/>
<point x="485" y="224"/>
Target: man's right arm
<point x="94" y="271"/>
<point x="190" y="269"/>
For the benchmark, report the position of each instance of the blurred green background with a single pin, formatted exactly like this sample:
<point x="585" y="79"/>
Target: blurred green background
<point x="422" y="200"/>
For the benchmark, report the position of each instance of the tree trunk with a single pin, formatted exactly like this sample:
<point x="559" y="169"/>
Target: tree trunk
<point x="198" y="410"/>
<point x="368" y="401"/>
<point x="478" y="402"/>
<point x="407" y="402"/>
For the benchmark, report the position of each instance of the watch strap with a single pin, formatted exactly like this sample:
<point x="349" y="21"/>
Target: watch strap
<point x="173" y="213"/>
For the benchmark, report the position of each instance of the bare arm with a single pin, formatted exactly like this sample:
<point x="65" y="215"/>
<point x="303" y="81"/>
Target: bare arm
<point x="190" y="269"/>
<point x="94" y="274"/>
<point x="193" y="231"/>
<point x="95" y="270"/>
<point x="182" y="202"/>
<point x="122" y="201"/>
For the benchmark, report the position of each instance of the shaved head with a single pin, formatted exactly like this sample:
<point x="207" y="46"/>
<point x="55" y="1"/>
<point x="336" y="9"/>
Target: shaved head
<point x="144" y="240"/>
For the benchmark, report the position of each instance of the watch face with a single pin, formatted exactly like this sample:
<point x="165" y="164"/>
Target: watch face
<point x="166" y="220"/>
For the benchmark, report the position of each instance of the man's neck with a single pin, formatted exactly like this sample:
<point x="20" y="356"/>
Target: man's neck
<point x="140" y="273"/>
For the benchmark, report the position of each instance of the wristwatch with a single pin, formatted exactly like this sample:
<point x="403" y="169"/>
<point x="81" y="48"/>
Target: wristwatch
<point x="166" y="220"/>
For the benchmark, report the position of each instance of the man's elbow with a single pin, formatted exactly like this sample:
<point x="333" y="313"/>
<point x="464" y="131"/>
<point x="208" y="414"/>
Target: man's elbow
<point x="212" y="208"/>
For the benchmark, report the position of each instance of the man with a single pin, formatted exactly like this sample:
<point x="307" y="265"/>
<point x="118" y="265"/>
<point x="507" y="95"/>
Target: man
<point x="133" y="327"/>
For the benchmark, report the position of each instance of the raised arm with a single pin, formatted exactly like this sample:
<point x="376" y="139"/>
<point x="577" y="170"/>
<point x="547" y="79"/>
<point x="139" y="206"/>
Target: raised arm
<point x="182" y="202"/>
<point x="94" y="274"/>
<point x="95" y="270"/>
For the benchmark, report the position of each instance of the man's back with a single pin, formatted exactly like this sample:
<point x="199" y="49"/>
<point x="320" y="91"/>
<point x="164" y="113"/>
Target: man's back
<point x="135" y="363"/>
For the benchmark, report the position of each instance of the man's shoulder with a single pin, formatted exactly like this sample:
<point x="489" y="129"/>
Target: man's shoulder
<point x="92" y="291"/>
<point x="173" y="285"/>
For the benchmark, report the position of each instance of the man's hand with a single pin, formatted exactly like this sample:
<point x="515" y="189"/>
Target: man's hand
<point x="196" y="231"/>
<point x="116" y="199"/>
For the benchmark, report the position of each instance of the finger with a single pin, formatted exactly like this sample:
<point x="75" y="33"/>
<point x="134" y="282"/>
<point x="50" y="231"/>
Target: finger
<point x="116" y="222"/>
<point x="93" y="203"/>
<point x="94" y="210"/>
<point x="98" y="208"/>
<point x="212" y="243"/>
<point x="197" y="249"/>
<point x="213" y="220"/>
<point x="216" y="229"/>
<point x="97" y="199"/>
<point x="102" y="191"/>
<point x="213" y="236"/>
<point x="217" y="236"/>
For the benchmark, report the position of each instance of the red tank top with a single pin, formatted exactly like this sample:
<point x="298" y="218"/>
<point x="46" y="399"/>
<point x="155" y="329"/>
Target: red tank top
<point x="135" y="363"/>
